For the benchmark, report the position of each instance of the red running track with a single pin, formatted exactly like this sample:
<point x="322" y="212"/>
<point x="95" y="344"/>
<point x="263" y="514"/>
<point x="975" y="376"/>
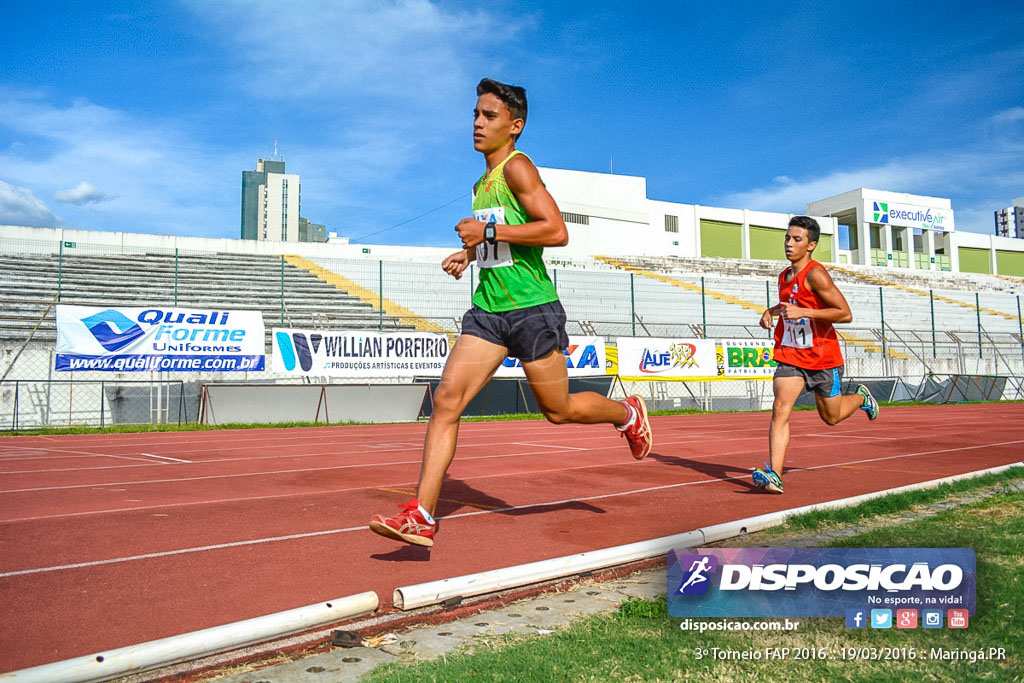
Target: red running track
<point x="113" y="540"/>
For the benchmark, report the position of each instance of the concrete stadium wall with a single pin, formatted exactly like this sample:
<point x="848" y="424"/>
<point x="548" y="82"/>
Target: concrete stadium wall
<point x="333" y="403"/>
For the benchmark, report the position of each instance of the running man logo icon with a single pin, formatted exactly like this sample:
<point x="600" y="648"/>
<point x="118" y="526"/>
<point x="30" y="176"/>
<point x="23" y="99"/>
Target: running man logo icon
<point x="697" y="581"/>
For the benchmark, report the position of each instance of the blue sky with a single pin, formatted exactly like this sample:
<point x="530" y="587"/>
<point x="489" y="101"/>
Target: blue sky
<point x="141" y="117"/>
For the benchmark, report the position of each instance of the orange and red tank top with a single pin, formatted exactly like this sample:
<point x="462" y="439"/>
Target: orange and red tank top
<point x="806" y="343"/>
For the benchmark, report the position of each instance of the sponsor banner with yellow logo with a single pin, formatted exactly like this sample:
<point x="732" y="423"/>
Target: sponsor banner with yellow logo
<point x="748" y="358"/>
<point x="645" y="358"/>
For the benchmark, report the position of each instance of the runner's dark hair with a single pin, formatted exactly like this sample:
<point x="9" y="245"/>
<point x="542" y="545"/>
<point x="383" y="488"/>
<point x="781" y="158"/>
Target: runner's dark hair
<point x="808" y="224"/>
<point x="513" y="96"/>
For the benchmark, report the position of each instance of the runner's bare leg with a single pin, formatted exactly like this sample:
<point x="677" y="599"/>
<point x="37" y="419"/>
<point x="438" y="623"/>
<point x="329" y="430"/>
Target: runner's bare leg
<point x="470" y="366"/>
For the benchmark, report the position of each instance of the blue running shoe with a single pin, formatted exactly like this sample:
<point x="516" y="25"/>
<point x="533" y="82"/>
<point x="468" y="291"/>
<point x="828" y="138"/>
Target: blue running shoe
<point x="870" y="405"/>
<point x="767" y="479"/>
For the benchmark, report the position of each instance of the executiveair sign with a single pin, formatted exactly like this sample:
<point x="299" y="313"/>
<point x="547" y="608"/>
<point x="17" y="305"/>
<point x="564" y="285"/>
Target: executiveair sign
<point x="908" y="215"/>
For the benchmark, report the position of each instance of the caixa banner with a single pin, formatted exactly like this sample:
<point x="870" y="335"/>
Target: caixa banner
<point x="158" y="339"/>
<point x="817" y="582"/>
<point x="584" y="357"/>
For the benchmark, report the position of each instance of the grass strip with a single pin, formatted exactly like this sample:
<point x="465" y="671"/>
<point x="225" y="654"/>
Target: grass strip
<point x="640" y="642"/>
<point x="892" y="504"/>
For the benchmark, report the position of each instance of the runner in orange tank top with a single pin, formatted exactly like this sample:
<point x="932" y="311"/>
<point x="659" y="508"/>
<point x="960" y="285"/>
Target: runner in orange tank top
<point x="806" y="347"/>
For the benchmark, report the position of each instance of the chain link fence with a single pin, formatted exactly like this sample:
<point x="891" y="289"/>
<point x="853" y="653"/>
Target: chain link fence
<point x="902" y="336"/>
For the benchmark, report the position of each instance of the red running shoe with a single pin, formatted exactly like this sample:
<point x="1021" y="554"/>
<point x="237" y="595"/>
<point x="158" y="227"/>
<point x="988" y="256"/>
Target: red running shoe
<point x="409" y="525"/>
<point x="638" y="434"/>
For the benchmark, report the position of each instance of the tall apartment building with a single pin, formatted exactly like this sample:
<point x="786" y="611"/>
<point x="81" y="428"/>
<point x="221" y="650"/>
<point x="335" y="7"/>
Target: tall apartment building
<point x="270" y="203"/>
<point x="1010" y="220"/>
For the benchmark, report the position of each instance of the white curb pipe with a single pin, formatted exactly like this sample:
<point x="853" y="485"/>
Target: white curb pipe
<point x="166" y="651"/>
<point x="433" y="592"/>
<point x="410" y="597"/>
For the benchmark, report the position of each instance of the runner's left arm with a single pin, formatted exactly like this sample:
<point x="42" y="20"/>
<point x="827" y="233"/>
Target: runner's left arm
<point x="837" y="309"/>
<point x="455" y="264"/>
<point x="547" y="229"/>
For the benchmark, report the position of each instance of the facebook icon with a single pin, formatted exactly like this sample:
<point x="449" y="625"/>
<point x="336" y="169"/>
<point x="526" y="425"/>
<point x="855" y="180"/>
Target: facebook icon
<point x="856" y="618"/>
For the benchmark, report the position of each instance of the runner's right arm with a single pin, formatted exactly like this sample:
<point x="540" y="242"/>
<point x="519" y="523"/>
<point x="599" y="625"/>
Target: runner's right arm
<point x="766" y="317"/>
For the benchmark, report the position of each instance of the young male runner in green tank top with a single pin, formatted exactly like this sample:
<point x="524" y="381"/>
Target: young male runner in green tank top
<point x="515" y="310"/>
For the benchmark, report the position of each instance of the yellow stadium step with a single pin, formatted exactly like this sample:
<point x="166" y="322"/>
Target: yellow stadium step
<point x="1009" y="278"/>
<point x="395" y="310"/>
<point x="622" y="265"/>
<point x="866" y="344"/>
<point x="885" y="283"/>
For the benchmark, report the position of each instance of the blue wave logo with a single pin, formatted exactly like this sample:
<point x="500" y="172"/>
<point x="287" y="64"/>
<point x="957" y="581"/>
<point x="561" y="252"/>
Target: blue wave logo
<point x="296" y="348"/>
<point x="112" y="329"/>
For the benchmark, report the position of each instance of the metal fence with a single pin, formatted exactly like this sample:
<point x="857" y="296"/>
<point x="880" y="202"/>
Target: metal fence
<point x="898" y="332"/>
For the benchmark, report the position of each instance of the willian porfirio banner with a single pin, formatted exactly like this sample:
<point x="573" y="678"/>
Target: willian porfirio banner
<point x="358" y="354"/>
<point x="817" y="582"/>
<point x="154" y="339"/>
<point x="398" y="354"/>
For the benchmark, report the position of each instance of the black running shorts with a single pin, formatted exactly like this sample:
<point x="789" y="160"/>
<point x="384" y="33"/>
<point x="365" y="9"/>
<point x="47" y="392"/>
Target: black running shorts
<point x="527" y="333"/>
<point x="824" y="383"/>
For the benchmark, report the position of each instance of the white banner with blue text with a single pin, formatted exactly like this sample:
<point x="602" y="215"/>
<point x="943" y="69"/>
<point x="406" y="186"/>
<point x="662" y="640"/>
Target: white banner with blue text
<point x="122" y="339"/>
<point x="358" y="353"/>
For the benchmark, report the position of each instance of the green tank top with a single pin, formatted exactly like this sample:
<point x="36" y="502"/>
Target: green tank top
<point x="512" y="276"/>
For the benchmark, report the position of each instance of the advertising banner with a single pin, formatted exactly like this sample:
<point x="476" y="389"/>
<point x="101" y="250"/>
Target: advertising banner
<point x="748" y="358"/>
<point x="645" y="358"/>
<point x="819" y="582"/>
<point x="908" y="215"/>
<point x="158" y="339"/>
<point x="358" y="354"/>
<point x="585" y="356"/>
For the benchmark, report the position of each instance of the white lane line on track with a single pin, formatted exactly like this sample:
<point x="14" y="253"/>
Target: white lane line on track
<point x="182" y="551"/>
<point x="323" y="492"/>
<point x="544" y="445"/>
<point x="417" y="461"/>
<point x="540" y="428"/>
<point x="165" y="457"/>
<point x="567" y="449"/>
<point x="618" y="494"/>
<point x="614" y="439"/>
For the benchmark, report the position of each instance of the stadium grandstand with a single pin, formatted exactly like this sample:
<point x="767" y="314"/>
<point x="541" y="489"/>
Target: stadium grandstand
<point x="908" y="325"/>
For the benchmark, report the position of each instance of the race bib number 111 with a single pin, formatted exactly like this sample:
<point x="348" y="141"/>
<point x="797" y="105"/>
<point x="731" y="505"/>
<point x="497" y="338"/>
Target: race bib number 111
<point x="797" y="334"/>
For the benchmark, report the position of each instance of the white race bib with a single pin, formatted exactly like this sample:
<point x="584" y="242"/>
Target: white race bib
<point x="797" y="334"/>
<point x="497" y="255"/>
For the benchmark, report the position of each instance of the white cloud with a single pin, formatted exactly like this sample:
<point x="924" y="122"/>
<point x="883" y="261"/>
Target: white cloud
<point x="1011" y="115"/>
<point x="83" y="193"/>
<point x="969" y="179"/>
<point x="157" y="176"/>
<point x="20" y="206"/>
<point x="413" y="51"/>
<point x="898" y="176"/>
<point x="387" y="87"/>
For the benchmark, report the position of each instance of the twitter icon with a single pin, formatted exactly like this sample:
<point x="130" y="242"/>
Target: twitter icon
<point x="881" y="618"/>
